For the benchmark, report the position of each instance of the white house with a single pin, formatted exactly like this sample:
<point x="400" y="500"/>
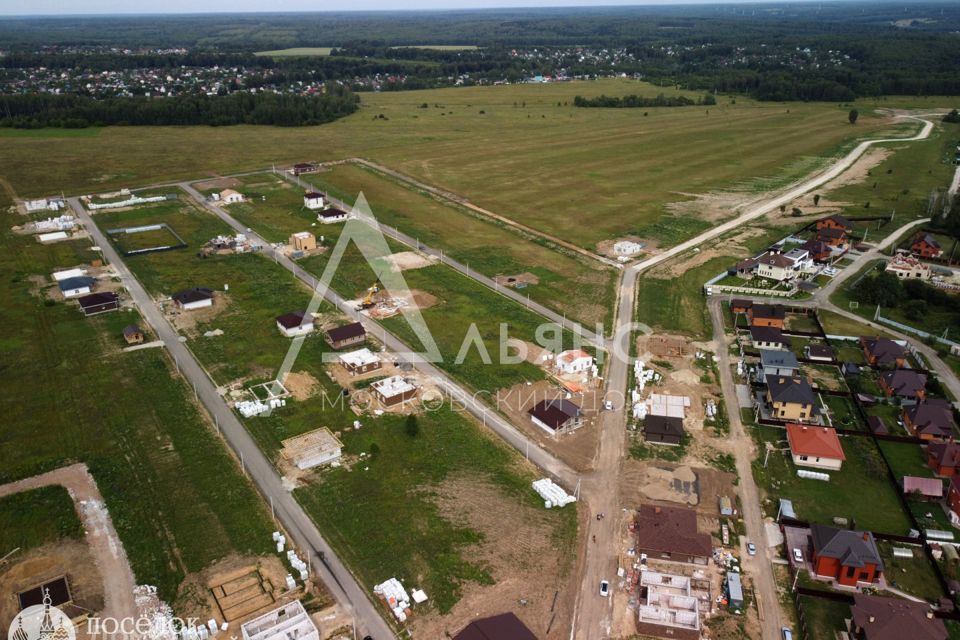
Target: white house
<point x="289" y="622"/>
<point x="296" y="324"/>
<point x="68" y="273"/>
<point x="197" y="298"/>
<point x="331" y="215"/>
<point x="312" y="449"/>
<point x="775" y="267"/>
<point x="313" y="200"/>
<point x="627" y="247"/>
<point x="813" y="446"/>
<point x="76" y="286"/>
<point x="229" y="196"/>
<point x="574" y="361"/>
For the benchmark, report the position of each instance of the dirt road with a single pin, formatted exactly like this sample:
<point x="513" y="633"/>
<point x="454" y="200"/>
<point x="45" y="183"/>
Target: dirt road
<point x="105" y="546"/>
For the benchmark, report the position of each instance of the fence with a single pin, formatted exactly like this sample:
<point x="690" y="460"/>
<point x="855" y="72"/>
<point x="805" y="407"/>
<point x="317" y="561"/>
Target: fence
<point x="918" y="332"/>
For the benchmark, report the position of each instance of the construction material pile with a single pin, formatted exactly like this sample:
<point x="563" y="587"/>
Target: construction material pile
<point x="393" y="593"/>
<point x="552" y="493"/>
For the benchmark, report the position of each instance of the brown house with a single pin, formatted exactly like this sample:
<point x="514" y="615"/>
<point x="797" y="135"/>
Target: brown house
<point x="346" y="336"/>
<point x="931" y="419"/>
<point x="944" y="458"/>
<point x="766" y="315"/>
<point x="833" y="237"/>
<point x="835" y="221"/>
<point x="738" y="305"/>
<point x="671" y="533"/>
<point x="882" y="352"/>
<point x="96" y="303"/>
<point x="904" y="383"/>
<point x="133" y="334"/>
<point x="926" y="246"/>
<point x="879" y="618"/>
<point x="819" y="251"/>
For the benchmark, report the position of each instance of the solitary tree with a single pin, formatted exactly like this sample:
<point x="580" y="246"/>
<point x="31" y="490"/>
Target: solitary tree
<point x="816" y="199"/>
<point x="412" y="427"/>
<point x="853" y="115"/>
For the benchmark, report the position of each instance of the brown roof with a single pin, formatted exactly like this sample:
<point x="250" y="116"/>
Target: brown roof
<point x="945" y="454"/>
<point x="671" y="530"/>
<point x="505" y="626"/>
<point x="773" y="311"/>
<point x="934" y="417"/>
<point x="95" y="299"/>
<point x="555" y="413"/>
<point x="294" y="320"/>
<point x="905" y="383"/>
<point x="828" y="232"/>
<point x="840" y="220"/>
<point x="885" y="350"/>
<point x="346" y="332"/>
<point x="895" y="619"/>
<point x="775" y="260"/>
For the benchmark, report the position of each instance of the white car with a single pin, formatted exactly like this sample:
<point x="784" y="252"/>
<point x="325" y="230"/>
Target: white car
<point x="797" y="555"/>
<point x="751" y="548"/>
<point x="604" y="588"/>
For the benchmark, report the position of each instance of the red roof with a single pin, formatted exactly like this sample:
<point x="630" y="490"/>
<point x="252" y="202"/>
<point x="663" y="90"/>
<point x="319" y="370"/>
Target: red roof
<point x="819" y="442"/>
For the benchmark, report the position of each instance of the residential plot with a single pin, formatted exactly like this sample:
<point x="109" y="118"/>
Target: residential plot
<point x="863" y="473"/>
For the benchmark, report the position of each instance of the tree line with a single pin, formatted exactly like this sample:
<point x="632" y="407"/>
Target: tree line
<point x="73" y="111"/>
<point x="635" y="101"/>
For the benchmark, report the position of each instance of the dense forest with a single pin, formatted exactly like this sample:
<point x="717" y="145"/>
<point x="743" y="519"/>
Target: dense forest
<point x="71" y="111"/>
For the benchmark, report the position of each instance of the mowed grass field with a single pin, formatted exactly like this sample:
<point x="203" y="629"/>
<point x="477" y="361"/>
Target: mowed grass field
<point x="567" y="284"/>
<point x="36" y="517"/>
<point x="296" y="52"/>
<point x="177" y="498"/>
<point x="523" y="151"/>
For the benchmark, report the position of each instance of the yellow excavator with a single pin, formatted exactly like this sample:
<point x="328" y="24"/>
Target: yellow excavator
<point x="369" y="300"/>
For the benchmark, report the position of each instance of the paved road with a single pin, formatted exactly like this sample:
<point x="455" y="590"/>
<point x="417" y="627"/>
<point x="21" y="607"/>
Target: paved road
<point x="759" y="566"/>
<point x="414" y="243"/>
<point x="787" y="197"/>
<point x="345" y="589"/>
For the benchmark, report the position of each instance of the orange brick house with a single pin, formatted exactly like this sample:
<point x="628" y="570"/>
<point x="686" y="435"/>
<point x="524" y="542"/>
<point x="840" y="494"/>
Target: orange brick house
<point x="849" y="557"/>
<point x="766" y="315"/>
<point x="882" y="352"/>
<point x="834" y="222"/>
<point x="944" y="458"/>
<point x="926" y="246"/>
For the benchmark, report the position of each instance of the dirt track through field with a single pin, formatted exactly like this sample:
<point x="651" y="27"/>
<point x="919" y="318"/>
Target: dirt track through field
<point x="105" y="546"/>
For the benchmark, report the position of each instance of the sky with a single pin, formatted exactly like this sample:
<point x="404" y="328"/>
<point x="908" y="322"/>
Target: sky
<point x="74" y="7"/>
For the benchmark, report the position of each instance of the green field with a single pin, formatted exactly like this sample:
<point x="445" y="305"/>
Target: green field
<point x="441" y="47"/>
<point x="383" y="519"/>
<point x="824" y="618"/>
<point x="863" y="473"/>
<point x="347" y="504"/>
<point x="38" y="516"/>
<point x="585" y="175"/>
<point x="913" y="575"/>
<point x="296" y="52"/>
<point x="126" y="417"/>
<point x="567" y="284"/>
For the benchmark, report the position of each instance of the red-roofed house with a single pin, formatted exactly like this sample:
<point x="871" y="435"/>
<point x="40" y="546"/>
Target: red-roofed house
<point x="813" y="446"/>
<point x="926" y="246"/>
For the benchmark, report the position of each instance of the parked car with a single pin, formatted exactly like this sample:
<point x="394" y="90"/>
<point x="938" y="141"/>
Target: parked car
<point x="751" y="548"/>
<point x="787" y="634"/>
<point x="797" y="555"/>
<point x="604" y="588"/>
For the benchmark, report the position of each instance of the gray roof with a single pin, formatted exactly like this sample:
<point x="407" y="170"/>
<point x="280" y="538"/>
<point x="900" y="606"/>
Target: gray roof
<point x="790" y="389"/>
<point x="851" y="548"/>
<point x="780" y="359"/>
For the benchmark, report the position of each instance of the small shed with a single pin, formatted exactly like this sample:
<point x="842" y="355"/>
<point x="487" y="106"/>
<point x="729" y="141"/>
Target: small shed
<point x="133" y="334"/>
<point x="303" y="241"/>
<point x="726" y="506"/>
<point x="734" y="591"/>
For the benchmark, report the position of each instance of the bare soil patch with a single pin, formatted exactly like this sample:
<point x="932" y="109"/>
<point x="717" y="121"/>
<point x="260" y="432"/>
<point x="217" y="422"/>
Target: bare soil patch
<point x="71" y="558"/>
<point x="409" y="260"/>
<point x="522" y="558"/>
<point x="218" y="183"/>
<point x="301" y="384"/>
<point x="187" y="321"/>
<point x="579" y="448"/>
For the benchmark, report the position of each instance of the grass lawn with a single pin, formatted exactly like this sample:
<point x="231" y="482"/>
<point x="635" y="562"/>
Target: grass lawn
<point x="913" y="575"/>
<point x="382" y="515"/>
<point x="843" y="414"/>
<point x="863" y="474"/>
<point x="274" y="207"/>
<point x="906" y="459"/>
<point x="126" y="417"/>
<point x="902" y="182"/>
<point x="585" y="175"/>
<point x="36" y="517"/>
<point x="837" y="325"/>
<point x="801" y="322"/>
<point x="824" y="617"/>
<point x="676" y="303"/>
<point x="643" y="450"/>
<point x="567" y="284"/>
